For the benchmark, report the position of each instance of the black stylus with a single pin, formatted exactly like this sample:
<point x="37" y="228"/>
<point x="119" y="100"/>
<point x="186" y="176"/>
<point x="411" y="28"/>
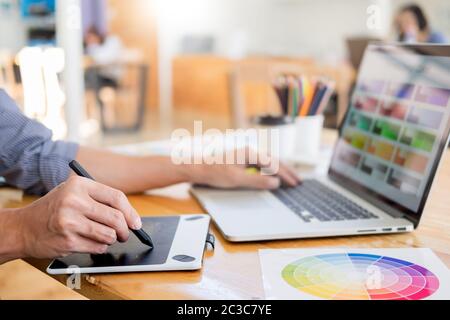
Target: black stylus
<point x="140" y="234"/>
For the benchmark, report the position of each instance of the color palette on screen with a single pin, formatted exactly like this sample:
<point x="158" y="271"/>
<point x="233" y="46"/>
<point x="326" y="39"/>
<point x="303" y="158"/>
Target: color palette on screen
<point x="356" y="276"/>
<point x="400" y="90"/>
<point x="418" y="139"/>
<point x="434" y="96"/>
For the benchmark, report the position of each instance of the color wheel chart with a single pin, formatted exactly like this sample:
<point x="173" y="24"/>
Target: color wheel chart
<point x="358" y="276"/>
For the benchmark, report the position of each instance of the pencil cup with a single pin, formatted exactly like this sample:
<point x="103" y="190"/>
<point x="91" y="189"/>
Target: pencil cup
<point x="277" y="136"/>
<point x="308" y="136"/>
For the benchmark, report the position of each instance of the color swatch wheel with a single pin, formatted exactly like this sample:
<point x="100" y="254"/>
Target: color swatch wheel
<point x="360" y="276"/>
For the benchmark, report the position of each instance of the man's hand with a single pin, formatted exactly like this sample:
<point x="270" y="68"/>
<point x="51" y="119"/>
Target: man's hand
<point x="138" y="174"/>
<point x="229" y="176"/>
<point x="79" y="216"/>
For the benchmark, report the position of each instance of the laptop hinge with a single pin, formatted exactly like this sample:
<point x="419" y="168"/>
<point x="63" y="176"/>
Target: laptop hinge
<point x="414" y="222"/>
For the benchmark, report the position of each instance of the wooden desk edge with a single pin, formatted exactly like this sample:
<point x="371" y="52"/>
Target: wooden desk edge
<point x="90" y="289"/>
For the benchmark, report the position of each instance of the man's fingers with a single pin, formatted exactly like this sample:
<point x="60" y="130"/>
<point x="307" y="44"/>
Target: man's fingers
<point x="80" y="244"/>
<point x="97" y="232"/>
<point x="291" y="172"/>
<point x="117" y="200"/>
<point x="287" y="179"/>
<point x="288" y="176"/>
<point x="109" y="217"/>
<point x="90" y="246"/>
<point x="269" y="164"/>
<point x="257" y="181"/>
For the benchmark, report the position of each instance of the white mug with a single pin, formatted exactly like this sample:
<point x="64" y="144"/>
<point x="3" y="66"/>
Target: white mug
<point x="280" y="137"/>
<point x="308" y="136"/>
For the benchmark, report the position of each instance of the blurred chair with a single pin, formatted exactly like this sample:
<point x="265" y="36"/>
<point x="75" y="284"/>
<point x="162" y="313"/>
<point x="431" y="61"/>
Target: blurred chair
<point x="251" y="92"/>
<point x="121" y="102"/>
<point x="200" y="84"/>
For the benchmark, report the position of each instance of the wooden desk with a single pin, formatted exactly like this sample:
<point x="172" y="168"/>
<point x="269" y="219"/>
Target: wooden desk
<point x="233" y="270"/>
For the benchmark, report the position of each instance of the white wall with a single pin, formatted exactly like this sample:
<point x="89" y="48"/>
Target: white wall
<point x="284" y="27"/>
<point x="288" y="27"/>
<point x="12" y="30"/>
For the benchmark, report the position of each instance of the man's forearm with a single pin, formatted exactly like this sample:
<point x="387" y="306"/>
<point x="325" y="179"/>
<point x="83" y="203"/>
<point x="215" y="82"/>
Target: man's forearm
<point x="131" y="174"/>
<point x="11" y="240"/>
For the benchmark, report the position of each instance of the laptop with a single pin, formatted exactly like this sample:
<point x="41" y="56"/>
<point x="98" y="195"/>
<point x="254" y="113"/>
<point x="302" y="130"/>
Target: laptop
<point x="356" y="47"/>
<point x="390" y="145"/>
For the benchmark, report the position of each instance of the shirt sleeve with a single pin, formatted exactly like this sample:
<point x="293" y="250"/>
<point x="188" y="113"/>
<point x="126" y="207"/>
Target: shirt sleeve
<point x="29" y="159"/>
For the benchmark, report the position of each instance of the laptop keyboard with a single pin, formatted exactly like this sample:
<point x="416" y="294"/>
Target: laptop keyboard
<point x="315" y="201"/>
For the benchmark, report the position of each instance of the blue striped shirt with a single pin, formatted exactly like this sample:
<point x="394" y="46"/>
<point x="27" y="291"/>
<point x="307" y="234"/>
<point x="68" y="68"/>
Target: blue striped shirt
<point x="29" y="159"/>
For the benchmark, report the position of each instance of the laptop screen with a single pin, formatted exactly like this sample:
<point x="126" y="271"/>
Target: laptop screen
<point x="397" y="125"/>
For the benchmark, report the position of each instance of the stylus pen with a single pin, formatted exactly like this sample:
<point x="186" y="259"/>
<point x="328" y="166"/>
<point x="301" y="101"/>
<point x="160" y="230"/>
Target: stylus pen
<point x="143" y="236"/>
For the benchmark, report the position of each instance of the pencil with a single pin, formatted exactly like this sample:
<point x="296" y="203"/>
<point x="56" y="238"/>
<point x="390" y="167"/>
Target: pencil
<point x="310" y="87"/>
<point x="301" y="94"/>
<point x="326" y="99"/>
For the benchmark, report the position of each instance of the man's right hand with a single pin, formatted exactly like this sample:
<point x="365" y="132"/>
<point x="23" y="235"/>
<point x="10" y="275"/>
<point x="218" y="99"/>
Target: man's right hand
<point x="79" y="216"/>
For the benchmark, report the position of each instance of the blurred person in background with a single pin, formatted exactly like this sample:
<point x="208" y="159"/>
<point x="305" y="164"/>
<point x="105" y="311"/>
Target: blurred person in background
<point x="413" y="26"/>
<point x="104" y="53"/>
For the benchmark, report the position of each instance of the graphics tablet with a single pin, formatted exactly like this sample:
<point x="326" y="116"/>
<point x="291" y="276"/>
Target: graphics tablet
<point x="179" y="244"/>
